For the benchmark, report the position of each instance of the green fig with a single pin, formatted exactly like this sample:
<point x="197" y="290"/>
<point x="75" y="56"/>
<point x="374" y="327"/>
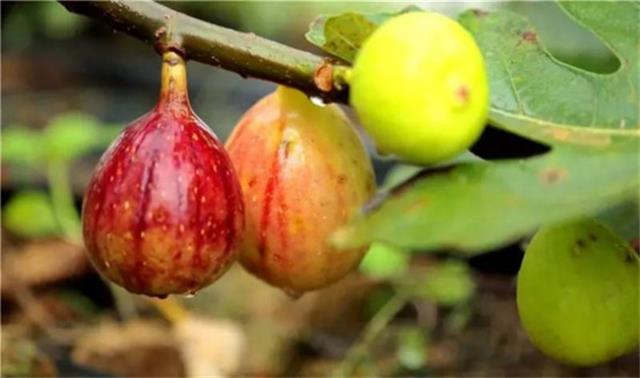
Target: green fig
<point x="419" y="86"/>
<point x="577" y="293"/>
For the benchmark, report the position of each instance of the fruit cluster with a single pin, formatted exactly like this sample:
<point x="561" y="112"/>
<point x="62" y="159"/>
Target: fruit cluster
<point x="169" y="208"/>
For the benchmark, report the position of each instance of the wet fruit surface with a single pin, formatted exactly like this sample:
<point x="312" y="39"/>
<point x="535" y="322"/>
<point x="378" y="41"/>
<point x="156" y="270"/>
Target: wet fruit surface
<point x="304" y="172"/>
<point x="420" y="87"/>
<point x="163" y="211"/>
<point x="578" y="293"/>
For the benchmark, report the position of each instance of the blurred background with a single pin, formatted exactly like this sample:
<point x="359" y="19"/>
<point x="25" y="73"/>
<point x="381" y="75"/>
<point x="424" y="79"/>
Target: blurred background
<point x="70" y="84"/>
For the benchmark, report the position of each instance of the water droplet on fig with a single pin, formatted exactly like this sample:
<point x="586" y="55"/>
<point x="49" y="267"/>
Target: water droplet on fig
<point x="293" y="295"/>
<point x="317" y="101"/>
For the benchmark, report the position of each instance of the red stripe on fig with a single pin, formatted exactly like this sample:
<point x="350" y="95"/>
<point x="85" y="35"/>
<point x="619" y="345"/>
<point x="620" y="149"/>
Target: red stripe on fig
<point x="304" y="172"/>
<point x="163" y="212"/>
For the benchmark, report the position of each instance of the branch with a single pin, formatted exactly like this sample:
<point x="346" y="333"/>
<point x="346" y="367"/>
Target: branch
<point x="244" y="53"/>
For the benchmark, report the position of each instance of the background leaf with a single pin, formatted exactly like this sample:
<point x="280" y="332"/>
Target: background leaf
<point x="30" y="214"/>
<point x="69" y="135"/>
<point x="448" y="283"/>
<point x="385" y="261"/>
<point x="22" y="146"/>
<point x="477" y="206"/>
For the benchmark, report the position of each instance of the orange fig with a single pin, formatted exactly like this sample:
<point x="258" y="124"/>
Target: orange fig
<point x="304" y="172"/>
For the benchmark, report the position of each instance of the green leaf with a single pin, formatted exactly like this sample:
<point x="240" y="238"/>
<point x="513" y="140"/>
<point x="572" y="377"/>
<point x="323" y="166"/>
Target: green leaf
<point x="21" y="146"/>
<point x="70" y="135"/>
<point x="30" y="214"/>
<point x="385" y="261"/>
<point x="477" y="206"/>
<point x="535" y="95"/>
<point x="448" y="283"/>
<point x="342" y="35"/>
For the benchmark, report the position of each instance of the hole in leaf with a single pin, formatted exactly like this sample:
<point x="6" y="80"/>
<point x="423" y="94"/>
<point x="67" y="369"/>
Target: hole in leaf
<point x="567" y="40"/>
<point x="495" y="143"/>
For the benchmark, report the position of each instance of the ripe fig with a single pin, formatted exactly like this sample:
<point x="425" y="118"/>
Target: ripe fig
<point x="304" y="172"/>
<point x="578" y="293"/>
<point x="420" y="87"/>
<point x="163" y="212"/>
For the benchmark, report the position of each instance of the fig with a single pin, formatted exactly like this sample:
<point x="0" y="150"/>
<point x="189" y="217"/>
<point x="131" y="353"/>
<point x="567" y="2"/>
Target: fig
<point x="304" y="172"/>
<point x="419" y="86"/>
<point x="578" y="293"/>
<point x="163" y="212"/>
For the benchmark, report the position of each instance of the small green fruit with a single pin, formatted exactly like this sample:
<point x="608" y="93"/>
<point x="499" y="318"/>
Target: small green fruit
<point x="420" y="88"/>
<point x="578" y="293"/>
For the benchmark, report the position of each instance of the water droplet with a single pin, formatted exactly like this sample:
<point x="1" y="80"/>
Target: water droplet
<point x="317" y="101"/>
<point x="293" y="295"/>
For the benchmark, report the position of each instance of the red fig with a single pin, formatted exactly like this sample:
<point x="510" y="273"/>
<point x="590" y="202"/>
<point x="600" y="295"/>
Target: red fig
<point x="304" y="172"/>
<point x="163" y="212"/>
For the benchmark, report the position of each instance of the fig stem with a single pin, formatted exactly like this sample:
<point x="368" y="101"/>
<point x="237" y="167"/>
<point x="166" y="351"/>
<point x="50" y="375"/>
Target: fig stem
<point x="244" y="53"/>
<point x="173" y="87"/>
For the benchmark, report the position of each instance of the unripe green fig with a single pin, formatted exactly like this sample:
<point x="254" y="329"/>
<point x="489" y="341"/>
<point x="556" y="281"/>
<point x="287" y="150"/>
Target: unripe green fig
<point x="304" y="172"/>
<point x="420" y="88"/>
<point x="578" y="293"/>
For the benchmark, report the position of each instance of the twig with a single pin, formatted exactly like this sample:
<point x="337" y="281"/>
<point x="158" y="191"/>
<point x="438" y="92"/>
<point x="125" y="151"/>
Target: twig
<point x="372" y="330"/>
<point x="62" y="201"/>
<point x="244" y="53"/>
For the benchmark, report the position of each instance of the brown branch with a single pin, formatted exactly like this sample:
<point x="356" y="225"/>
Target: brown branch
<point x="244" y="53"/>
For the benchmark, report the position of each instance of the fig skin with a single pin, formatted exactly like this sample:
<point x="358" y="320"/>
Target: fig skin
<point x="304" y="172"/>
<point x="163" y="212"/>
<point x="578" y="293"/>
<point x="420" y="88"/>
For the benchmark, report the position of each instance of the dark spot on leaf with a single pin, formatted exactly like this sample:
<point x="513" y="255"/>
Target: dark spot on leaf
<point x="593" y="237"/>
<point x="418" y="204"/>
<point x="342" y="179"/>
<point x="480" y="12"/>
<point x="553" y="175"/>
<point x="529" y="36"/>
<point x="580" y="243"/>
<point x="629" y="257"/>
